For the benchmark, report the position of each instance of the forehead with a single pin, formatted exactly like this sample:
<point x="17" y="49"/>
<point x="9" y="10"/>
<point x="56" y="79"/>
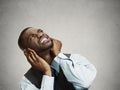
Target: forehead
<point x="28" y="32"/>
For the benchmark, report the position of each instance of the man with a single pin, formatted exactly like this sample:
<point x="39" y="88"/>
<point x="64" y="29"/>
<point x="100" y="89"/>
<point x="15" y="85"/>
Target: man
<point x="51" y="69"/>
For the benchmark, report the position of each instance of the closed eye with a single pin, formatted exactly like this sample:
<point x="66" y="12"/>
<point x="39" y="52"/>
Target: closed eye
<point x="39" y="30"/>
<point x="32" y="36"/>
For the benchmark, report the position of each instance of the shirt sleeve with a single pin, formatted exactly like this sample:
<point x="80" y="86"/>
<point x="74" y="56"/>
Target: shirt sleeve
<point x="78" y="71"/>
<point x="47" y="84"/>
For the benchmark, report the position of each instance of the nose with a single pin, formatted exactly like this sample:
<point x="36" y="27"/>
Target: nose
<point x="39" y="35"/>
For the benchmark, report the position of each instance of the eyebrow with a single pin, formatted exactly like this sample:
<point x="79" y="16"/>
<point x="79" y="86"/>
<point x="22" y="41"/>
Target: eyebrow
<point x="32" y="34"/>
<point x="39" y="30"/>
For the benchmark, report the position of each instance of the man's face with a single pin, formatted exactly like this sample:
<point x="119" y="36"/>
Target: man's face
<point x="37" y="40"/>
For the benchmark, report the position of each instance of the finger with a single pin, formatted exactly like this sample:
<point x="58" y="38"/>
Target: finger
<point x="38" y="58"/>
<point x="25" y="53"/>
<point x="28" y="50"/>
<point x="33" y="52"/>
<point x="53" y="39"/>
<point x="33" y="57"/>
<point x="30" y="60"/>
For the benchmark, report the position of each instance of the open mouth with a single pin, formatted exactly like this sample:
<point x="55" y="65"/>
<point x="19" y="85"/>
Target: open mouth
<point x="44" y="39"/>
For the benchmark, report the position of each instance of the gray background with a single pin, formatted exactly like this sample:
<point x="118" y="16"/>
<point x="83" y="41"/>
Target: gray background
<point x="88" y="27"/>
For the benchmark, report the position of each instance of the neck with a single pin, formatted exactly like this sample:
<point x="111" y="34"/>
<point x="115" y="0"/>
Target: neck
<point x="46" y="55"/>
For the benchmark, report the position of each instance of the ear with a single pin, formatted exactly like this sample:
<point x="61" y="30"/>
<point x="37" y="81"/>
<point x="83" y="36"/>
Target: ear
<point x="24" y="50"/>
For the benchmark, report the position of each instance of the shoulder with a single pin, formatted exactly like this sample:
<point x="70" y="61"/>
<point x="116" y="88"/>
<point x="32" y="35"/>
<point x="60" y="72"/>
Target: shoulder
<point x="24" y="80"/>
<point x="74" y="55"/>
<point x="33" y="76"/>
<point x="66" y="54"/>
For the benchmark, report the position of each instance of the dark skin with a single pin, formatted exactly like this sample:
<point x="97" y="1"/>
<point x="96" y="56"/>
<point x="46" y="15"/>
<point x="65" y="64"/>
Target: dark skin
<point x="40" y="49"/>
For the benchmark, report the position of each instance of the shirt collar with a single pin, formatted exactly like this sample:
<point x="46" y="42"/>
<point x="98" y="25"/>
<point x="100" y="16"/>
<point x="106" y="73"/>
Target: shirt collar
<point x="56" y="62"/>
<point x="62" y="56"/>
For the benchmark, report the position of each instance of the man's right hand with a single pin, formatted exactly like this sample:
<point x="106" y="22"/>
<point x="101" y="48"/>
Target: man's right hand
<point x="37" y="62"/>
<point x="56" y="49"/>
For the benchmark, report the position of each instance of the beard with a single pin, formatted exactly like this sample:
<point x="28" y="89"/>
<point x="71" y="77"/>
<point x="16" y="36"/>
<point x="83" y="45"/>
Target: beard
<point x="44" y="47"/>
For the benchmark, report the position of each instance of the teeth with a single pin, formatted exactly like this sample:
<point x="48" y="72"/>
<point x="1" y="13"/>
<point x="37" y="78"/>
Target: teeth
<point x="44" y="39"/>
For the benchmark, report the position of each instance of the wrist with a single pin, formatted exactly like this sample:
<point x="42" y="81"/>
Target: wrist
<point x="56" y="54"/>
<point x="48" y="73"/>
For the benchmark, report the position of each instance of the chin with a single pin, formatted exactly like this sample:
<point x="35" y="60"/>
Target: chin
<point x="49" y="46"/>
<point x="45" y="47"/>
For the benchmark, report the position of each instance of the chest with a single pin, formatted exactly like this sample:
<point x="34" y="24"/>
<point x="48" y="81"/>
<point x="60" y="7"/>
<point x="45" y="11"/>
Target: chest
<point x="60" y="83"/>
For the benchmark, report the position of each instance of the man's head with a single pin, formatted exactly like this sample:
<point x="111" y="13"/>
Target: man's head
<point x="35" y="39"/>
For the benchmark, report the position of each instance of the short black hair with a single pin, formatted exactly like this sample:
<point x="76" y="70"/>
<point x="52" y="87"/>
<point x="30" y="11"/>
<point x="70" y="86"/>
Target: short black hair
<point x="20" y="39"/>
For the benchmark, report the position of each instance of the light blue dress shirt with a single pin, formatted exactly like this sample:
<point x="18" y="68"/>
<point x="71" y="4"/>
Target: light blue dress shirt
<point x="77" y="69"/>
